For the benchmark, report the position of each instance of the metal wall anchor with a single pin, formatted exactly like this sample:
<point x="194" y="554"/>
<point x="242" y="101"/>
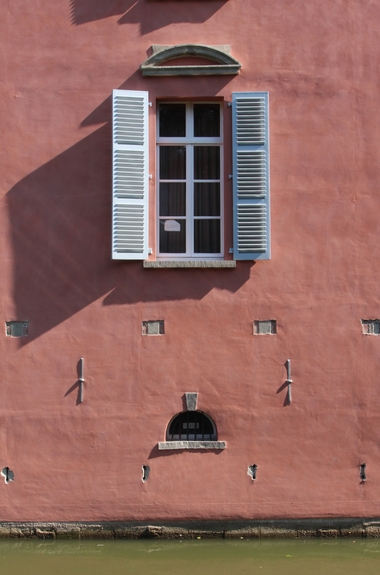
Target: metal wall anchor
<point x="81" y="379"/>
<point x="289" y="380"/>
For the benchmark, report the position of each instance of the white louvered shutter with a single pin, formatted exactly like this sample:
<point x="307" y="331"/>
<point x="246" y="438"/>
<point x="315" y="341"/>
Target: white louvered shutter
<point x="250" y="148"/>
<point x="130" y="175"/>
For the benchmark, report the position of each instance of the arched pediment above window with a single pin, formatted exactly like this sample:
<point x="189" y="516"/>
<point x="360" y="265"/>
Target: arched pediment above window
<point x="218" y="61"/>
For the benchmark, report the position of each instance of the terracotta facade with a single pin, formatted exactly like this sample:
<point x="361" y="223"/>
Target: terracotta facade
<point x="77" y="461"/>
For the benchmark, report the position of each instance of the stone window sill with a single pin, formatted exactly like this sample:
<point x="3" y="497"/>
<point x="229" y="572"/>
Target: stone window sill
<point x="166" y="445"/>
<point x="189" y="264"/>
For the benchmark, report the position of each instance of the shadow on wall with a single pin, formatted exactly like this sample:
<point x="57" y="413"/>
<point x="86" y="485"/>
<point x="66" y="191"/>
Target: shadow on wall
<point x="60" y="218"/>
<point x="150" y="15"/>
<point x="102" y="113"/>
<point x="155" y="452"/>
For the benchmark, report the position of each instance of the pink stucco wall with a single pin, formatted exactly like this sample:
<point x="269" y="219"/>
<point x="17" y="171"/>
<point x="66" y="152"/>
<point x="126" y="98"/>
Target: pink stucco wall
<point x="320" y="64"/>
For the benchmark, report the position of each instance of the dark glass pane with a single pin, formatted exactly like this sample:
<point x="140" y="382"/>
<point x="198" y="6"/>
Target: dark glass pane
<point x="206" y="163"/>
<point x="172" y="236"/>
<point x="173" y="199"/>
<point x="207" y="236"/>
<point x="172" y="120"/>
<point x="207" y="199"/>
<point x="206" y="120"/>
<point x="172" y="162"/>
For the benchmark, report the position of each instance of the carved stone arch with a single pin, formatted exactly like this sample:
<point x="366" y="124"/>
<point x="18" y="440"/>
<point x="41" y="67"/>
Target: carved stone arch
<point x="222" y="61"/>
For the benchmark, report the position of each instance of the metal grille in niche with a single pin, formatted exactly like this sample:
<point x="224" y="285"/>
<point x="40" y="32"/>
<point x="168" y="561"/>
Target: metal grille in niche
<point x="265" y="327"/>
<point x="371" y="326"/>
<point x="16" y="328"/>
<point x="192" y="426"/>
<point x="153" y="327"/>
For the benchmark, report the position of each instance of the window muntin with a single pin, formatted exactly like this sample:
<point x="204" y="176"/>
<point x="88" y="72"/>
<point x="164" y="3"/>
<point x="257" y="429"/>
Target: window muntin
<point x="189" y="149"/>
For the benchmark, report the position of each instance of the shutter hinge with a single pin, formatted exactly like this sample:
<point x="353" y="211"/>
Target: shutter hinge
<point x="229" y="104"/>
<point x="150" y="104"/>
<point x="150" y="251"/>
<point x="231" y="251"/>
<point x="150" y="176"/>
<point x="231" y="176"/>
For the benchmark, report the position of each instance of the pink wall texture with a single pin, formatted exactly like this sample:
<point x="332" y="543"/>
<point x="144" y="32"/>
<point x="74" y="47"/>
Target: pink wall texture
<point x="60" y="62"/>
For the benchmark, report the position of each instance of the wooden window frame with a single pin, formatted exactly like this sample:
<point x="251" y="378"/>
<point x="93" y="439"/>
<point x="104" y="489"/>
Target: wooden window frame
<point x="190" y="142"/>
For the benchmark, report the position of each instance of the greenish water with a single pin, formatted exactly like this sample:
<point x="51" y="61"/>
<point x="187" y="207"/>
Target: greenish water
<point x="199" y="557"/>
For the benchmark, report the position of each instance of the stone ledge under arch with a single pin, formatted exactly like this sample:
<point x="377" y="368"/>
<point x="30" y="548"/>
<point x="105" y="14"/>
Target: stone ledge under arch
<point x="165" y="445"/>
<point x="224" y="62"/>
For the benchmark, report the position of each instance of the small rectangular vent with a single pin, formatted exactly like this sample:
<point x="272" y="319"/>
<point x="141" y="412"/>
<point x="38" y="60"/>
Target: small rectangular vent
<point x="370" y="326"/>
<point x="153" y="327"/>
<point x="264" y="327"/>
<point x="17" y="328"/>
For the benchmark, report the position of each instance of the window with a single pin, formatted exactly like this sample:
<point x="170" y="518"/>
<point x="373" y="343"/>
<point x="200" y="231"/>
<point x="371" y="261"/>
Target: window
<point x="191" y="429"/>
<point x="189" y="184"/>
<point x="189" y="154"/>
<point x="191" y="426"/>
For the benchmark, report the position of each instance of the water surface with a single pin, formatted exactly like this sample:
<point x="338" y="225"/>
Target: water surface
<point x="198" y="557"/>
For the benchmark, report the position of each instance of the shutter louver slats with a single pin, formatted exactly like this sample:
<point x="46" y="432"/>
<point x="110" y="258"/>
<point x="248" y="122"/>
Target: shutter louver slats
<point x="130" y="175"/>
<point x="128" y="228"/>
<point x="129" y="120"/>
<point x="251" y="175"/>
<point x="250" y="121"/>
<point x="252" y="235"/>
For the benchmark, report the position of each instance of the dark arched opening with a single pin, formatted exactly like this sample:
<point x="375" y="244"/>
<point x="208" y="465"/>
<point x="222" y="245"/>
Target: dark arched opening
<point x="191" y="426"/>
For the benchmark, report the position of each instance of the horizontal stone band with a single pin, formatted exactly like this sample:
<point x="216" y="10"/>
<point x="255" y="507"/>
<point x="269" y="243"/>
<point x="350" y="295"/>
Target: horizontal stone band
<point x="191" y="445"/>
